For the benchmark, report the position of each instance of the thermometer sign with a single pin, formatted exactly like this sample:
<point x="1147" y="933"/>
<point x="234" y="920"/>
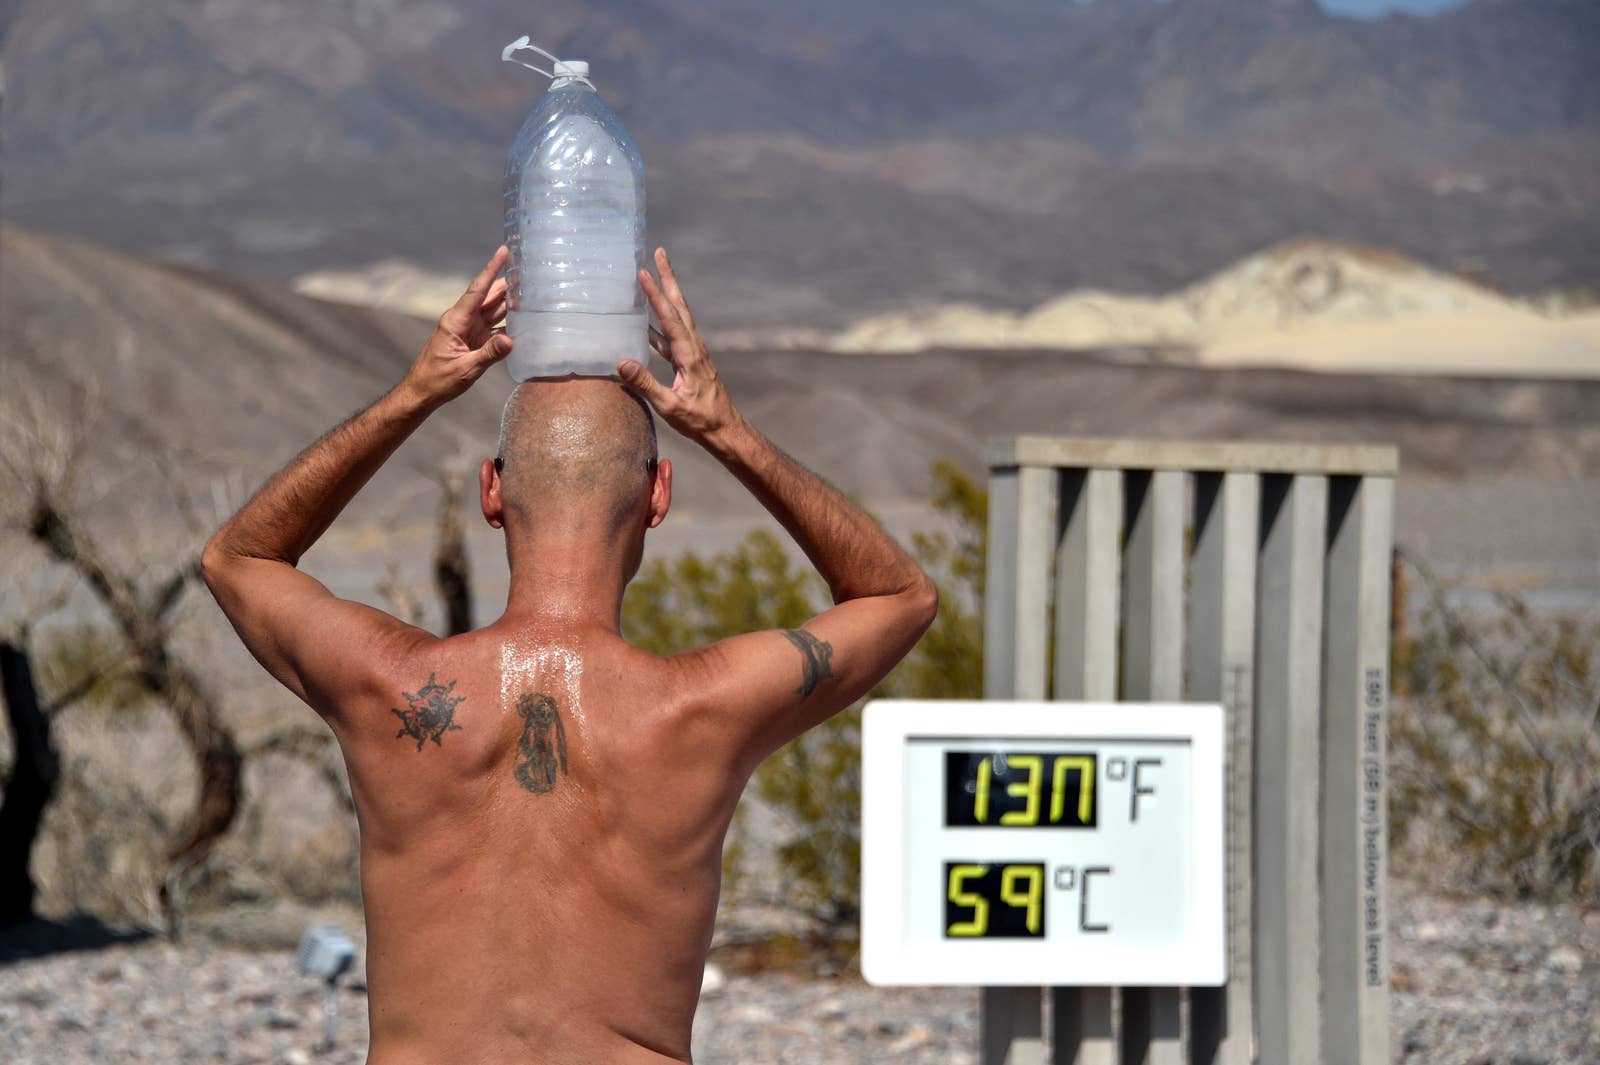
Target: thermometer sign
<point x="1042" y="844"/>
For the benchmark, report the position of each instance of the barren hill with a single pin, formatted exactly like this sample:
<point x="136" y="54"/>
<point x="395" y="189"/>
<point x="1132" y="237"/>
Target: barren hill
<point x="209" y="383"/>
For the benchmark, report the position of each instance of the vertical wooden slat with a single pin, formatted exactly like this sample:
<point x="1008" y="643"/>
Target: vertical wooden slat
<point x="1152" y="588"/>
<point x="1011" y="1028"/>
<point x="1036" y="543"/>
<point x="1222" y="612"/>
<point x="1287" y="768"/>
<point x="1000" y="584"/>
<point x="1022" y="527"/>
<point x="1355" y="964"/>
<point x="1088" y="584"/>
<point x="1152" y="670"/>
<point x="1087" y="590"/>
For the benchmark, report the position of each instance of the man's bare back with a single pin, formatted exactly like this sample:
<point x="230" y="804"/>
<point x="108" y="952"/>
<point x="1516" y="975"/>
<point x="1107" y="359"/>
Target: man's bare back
<point x="555" y="855"/>
<point x="542" y="806"/>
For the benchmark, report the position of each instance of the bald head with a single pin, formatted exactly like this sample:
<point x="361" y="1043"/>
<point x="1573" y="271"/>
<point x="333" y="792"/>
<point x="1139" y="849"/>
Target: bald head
<point x="575" y="454"/>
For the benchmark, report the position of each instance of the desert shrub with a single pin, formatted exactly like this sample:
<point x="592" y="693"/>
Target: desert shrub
<point x="1495" y="751"/>
<point x="948" y="662"/>
<point x="102" y="848"/>
<point x="813" y="784"/>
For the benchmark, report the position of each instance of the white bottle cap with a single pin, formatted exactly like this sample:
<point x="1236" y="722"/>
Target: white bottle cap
<point x="572" y="68"/>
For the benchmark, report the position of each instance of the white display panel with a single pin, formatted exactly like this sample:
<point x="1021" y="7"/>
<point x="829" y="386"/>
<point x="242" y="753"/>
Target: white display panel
<point x="1044" y="843"/>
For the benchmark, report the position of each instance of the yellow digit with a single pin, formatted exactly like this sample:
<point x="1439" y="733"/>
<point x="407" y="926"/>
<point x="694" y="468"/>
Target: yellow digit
<point x="977" y="903"/>
<point x="1058" y="800"/>
<point x="1033" y="898"/>
<point x="1029" y="814"/>
<point x="980" y="805"/>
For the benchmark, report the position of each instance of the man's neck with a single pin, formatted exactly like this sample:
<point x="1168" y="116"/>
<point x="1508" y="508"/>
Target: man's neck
<point x="577" y="584"/>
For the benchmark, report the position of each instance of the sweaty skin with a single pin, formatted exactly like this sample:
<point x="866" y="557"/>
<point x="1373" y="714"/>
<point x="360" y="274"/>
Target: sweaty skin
<point x="542" y="805"/>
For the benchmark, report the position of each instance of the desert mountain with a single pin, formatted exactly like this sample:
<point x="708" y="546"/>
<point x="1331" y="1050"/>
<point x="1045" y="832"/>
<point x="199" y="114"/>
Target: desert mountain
<point x="1305" y="304"/>
<point x="814" y="164"/>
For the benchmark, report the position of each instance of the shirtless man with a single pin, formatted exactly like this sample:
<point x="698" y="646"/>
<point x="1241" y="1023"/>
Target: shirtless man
<point x="542" y="805"/>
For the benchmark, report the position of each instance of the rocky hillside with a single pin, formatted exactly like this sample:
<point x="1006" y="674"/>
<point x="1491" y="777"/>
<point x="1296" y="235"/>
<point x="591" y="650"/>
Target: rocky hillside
<point x="214" y="372"/>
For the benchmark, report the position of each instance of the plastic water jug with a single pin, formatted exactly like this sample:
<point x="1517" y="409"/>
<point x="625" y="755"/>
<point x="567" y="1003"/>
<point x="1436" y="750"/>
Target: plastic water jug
<point x="574" y="197"/>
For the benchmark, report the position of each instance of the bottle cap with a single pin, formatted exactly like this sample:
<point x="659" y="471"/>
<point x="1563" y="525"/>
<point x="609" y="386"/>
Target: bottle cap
<point x="560" y="69"/>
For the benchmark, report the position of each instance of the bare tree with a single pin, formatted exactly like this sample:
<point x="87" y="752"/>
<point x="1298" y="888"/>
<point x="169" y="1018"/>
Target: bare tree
<point x="45" y="455"/>
<point x="29" y="788"/>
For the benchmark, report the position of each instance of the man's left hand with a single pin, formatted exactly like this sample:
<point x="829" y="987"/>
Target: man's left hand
<point x="467" y="340"/>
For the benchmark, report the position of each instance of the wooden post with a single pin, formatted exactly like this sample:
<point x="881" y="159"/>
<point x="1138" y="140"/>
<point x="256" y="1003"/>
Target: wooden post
<point x="1222" y="615"/>
<point x="1022" y="519"/>
<point x="1152" y="671"/>
<point x="1088" y="566"/>
<point x="1287" y="749"/>
<point x="1355" y="956"/>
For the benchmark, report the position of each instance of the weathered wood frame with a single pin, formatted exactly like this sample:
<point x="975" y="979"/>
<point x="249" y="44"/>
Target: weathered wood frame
<point x="1256" y="575"/>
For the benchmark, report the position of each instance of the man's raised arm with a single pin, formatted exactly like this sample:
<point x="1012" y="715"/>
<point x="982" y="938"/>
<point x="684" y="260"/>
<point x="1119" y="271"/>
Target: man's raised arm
<point x="789" y="681"/>
<point x="300" y="632"/>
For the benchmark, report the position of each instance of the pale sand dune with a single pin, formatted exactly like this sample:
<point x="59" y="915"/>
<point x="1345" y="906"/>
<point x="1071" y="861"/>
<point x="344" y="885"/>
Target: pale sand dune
<point x="1474" y="343"/>
<point x="391" y="285"/>
<point x="1303" y="305"/>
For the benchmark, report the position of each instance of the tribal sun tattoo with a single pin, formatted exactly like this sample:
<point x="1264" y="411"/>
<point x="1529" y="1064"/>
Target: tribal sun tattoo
<point x="817" y="653"/>
<point x="544" y="743"/>
<point x="430" y="714"/>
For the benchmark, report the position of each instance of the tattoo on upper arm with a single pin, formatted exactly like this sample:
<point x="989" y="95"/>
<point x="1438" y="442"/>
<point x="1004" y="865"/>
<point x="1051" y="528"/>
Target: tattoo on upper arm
<point x="430" y="712"/>
<point x="817" y="654"/>
<point x="544" y="743"/>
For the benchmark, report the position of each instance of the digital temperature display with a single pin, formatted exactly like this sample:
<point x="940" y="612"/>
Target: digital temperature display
<point x="1037" y="844"/>
<point x="1032" y="789"/>
<point x="994" y="900"/>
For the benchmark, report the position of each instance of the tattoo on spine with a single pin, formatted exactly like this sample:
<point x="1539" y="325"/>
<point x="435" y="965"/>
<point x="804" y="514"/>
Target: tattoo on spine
<point x="817" y="653"/>
<point x="430" y="712"/>
<point x="544" y="743"/>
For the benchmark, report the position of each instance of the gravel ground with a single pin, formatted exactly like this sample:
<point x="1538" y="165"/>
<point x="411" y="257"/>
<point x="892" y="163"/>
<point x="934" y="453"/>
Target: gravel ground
<point x="1476" y="983"/>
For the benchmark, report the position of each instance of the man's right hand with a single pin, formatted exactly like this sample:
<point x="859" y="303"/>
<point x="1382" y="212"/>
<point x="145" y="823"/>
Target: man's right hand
<point x="697" y="405"/>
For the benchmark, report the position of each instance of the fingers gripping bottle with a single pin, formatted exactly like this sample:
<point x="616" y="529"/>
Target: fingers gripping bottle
<point x="574" y="193"/>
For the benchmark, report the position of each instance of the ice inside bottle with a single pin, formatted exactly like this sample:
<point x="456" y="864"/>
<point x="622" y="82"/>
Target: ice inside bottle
<point x="574" y="199"/>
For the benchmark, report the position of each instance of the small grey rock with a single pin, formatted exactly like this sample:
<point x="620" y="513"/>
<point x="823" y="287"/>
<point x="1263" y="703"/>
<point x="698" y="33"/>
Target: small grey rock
<point x="269" y="1017"/>
<point x="37" y="997"/>
<point x="71" y="1020"/>
<point x="1564" y="960"/>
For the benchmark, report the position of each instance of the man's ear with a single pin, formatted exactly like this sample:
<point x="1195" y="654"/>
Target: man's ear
<point x="661" y="493"/>
<point x="494" y="511"/>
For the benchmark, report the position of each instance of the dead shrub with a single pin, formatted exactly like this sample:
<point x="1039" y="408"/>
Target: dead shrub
<point x="1495" y="750"/>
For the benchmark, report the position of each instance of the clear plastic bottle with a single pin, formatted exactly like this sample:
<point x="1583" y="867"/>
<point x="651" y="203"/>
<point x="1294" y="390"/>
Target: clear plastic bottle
<point x="574" y="197"/>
